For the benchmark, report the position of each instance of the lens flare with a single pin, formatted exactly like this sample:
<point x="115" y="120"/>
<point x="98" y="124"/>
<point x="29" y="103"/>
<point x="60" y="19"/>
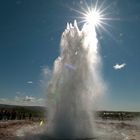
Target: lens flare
<point x="93" y="18"/>
<point x="96" y="15"/>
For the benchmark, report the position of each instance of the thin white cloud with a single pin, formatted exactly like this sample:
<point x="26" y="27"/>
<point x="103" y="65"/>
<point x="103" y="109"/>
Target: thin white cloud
<point x="119" y="66"/>
<point x="29" y="82"/>
<point x="23" y="101"/>
<point x="29" y="99"/>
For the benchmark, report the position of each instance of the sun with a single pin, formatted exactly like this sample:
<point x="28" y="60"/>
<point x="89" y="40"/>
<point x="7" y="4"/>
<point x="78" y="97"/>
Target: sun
<point x="93" y="18"/>
<point x="95" y="14"/>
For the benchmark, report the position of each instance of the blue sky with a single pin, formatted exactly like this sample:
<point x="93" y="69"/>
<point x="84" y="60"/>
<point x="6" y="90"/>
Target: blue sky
<point x="30" y="33"/>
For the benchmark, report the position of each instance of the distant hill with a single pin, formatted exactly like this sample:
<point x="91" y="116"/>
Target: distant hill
<point x="35" y="110"/>
<point x="40" y="111"/>
<point x="5" y="106"/>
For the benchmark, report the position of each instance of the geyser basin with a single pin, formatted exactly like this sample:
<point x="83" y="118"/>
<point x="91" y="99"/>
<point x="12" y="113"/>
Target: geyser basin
<point x="76" y="82"/>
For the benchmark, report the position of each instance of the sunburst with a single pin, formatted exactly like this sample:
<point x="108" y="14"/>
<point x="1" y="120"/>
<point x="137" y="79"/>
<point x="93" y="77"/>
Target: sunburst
<point x="94" y="14"/>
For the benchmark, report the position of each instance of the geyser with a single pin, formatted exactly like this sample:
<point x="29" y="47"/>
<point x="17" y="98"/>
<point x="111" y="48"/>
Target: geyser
<point x="76" y="82"/>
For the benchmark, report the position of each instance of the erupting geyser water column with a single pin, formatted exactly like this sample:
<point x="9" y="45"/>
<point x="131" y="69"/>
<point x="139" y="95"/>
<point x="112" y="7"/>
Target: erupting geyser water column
<point x="76" y="82"/>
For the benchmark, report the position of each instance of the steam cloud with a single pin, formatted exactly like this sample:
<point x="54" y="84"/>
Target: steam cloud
<point x="75" y="85"/>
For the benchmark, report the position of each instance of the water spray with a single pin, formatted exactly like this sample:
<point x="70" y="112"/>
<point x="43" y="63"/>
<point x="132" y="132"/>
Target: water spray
<point x="76" y="82"/>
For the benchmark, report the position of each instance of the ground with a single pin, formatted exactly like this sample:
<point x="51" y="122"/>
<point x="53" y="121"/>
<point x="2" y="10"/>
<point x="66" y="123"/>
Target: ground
<point x="106" y="129"/>
<point x="12" y="129"/>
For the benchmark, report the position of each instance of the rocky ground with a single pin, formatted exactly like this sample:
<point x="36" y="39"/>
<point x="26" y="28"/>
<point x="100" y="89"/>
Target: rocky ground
<point x="9" y="130"/>
<point x="107" y="130"/>
<point x="118" y="130"/>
